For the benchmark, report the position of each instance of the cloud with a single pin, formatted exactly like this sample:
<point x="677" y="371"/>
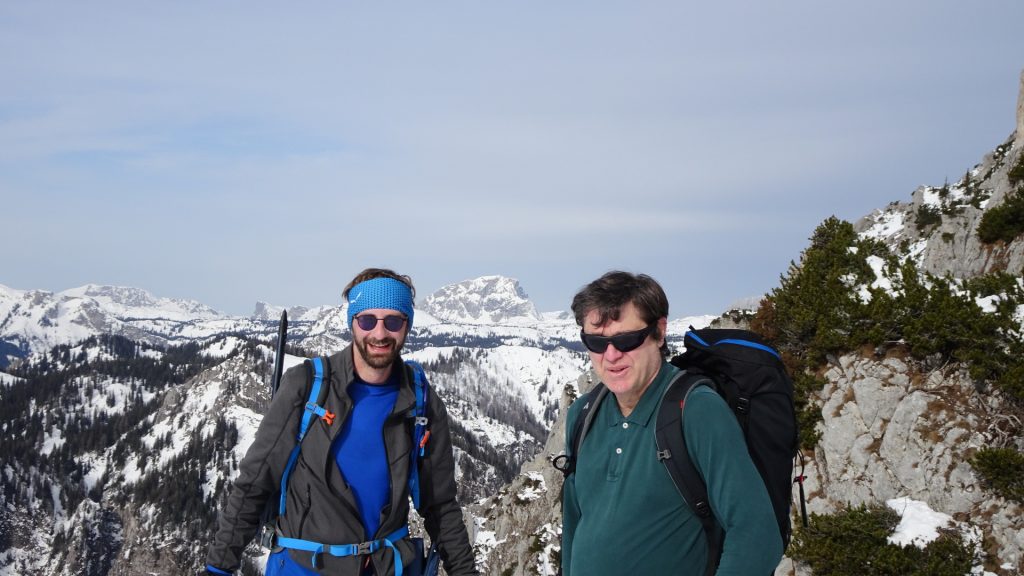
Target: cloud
<point x="200" y="147"/>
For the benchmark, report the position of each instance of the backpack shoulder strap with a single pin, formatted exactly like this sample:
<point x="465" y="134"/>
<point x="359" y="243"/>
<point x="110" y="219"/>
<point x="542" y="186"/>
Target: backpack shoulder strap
<point x="318" y="371"/>
<point x="672" y="452"/>
<point x="420" y="428"/>
<point x="566" y="463"/>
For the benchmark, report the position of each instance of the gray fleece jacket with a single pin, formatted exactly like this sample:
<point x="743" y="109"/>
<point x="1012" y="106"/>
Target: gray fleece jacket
<point x="320" y="506"/>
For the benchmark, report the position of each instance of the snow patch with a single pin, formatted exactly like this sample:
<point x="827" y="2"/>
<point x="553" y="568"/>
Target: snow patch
<point x="54" y="439"/>
<point x="533" y="488"/>
<point x="919" y="524"/>
<point x="887" y="224"/>
<point x="8" y="380"/>
<point x="224" y="348"/>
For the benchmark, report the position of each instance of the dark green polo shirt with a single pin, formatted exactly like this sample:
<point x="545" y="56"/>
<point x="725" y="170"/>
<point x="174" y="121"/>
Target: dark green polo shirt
<point x="623" y="515"/>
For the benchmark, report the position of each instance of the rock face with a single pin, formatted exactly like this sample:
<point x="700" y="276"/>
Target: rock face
<point x="890" y="430"/>
<point x="519" y="530"/>
<point x="938" y="227"/>
<point x="1019" y="140"/>
<point x="951" y="245"/>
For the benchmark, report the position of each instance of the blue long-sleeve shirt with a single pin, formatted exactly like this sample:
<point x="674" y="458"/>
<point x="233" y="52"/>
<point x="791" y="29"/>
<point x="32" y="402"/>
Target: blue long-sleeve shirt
<point x="359" y="449"/>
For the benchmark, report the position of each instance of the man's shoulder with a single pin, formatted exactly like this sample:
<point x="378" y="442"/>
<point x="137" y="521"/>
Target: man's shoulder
<point x="578" y="405"/>
<point x="703" y="392"/>
<point x="704" y="397"/>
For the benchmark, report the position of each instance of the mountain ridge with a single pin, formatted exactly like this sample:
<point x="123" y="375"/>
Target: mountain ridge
<point x="121" y="432"/>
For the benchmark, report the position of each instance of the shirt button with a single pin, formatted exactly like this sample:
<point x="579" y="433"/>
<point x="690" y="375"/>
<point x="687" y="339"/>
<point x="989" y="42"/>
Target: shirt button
<point x="618" y="450"/>
<point x="625" y="424"/>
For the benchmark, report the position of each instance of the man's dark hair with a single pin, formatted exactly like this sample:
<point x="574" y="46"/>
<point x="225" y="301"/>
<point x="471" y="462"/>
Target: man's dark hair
<point x="371" y="273"/>
<point x="609" y="293"/>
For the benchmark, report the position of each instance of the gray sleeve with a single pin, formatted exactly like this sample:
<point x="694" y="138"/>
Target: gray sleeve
<point x="440" y="508"/>
<point x="259" y="473"/>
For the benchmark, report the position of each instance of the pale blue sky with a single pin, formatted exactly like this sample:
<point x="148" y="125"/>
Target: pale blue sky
<point x="230" y="152"/>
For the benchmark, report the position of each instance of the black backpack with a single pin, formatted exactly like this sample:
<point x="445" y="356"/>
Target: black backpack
<point x="750" y="377"/>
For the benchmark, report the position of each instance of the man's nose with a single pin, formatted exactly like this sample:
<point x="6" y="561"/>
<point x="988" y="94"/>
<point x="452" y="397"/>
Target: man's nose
<point x="612" y="353"/>
<point x="379" y="331"/>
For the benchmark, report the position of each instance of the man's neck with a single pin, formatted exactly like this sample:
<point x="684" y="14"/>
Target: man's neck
<point x="373" y="375"/>
<point x="628" y="401"/>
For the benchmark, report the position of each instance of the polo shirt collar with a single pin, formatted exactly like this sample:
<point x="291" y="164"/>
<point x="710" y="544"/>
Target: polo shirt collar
<point x="648" y="404"/>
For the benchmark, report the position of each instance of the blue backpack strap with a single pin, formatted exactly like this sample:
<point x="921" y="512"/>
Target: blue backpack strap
<point x="421" y="429"/>
<point x="312" y="409"/>
<point x="341" y="550"/>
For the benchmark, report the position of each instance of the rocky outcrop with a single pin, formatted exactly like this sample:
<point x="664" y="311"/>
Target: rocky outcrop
<point x="951" y="245"/>
<point x="938" y="227"/>
<point x="892" y="430"/>
<point x="1019" y="140"/>
<point x="519" y="529"/>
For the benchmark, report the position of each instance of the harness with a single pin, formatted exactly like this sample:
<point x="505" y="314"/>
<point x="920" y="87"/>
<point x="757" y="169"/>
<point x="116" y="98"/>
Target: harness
<point x="420" y="436"/>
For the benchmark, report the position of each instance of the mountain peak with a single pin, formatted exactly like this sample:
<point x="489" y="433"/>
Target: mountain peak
<point x="483" y="300"/>
<point x="136" y="302"/>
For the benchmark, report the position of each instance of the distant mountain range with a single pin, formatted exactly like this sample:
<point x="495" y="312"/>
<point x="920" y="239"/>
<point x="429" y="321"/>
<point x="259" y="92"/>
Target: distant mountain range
<point x="35" y="320"/>
<point x="148" y="387"/>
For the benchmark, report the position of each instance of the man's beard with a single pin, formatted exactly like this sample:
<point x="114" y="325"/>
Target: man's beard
<point x="376" y="360"/>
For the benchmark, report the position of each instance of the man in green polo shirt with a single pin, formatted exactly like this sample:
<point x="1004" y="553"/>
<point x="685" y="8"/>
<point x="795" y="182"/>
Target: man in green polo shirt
<point x="622" y="515"/>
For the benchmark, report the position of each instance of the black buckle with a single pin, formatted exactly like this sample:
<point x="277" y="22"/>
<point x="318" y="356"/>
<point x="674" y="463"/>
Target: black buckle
<point x="562" y="464"/>
<point x="364" y="548"/>
<point x="268" y="536"/>
<point x="702" y="509"/>
<point x="743" y="406"/>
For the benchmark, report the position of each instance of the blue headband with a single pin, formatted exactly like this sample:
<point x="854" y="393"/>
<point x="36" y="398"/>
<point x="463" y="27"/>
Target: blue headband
<point x="380" y="293"/>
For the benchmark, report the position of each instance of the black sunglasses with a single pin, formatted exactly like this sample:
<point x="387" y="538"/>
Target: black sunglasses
<point x="392" y="323"/>
<point x="623" y="342"/>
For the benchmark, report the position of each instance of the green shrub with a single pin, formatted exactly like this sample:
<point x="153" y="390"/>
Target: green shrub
<point x="814" y="308"/>
<point x="854" y="542"/>
<point x="996" y="283"/>
<point x="926" y="217"/>
<point x="807" y="414"/>
<point x="1002" y="470"/>
<point x="1004" y="222"/>
<point x="1016" y="173"/>
<point x="1011" y="378"/>
<point x="816" y="313"/>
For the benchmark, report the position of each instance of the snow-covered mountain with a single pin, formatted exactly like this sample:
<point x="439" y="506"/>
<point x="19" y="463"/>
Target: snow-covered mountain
<point x="34" y="320"/>
<point x="484" y="300"/>
<point x="115" y="403"/>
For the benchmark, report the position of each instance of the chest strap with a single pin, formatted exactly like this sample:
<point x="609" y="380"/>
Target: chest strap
<point x="340" y="550"/>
